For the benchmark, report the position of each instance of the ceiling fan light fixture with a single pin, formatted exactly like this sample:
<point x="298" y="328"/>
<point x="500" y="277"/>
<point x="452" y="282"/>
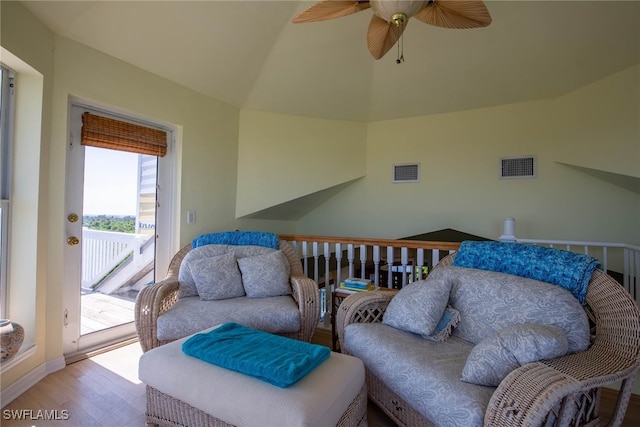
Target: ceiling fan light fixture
<point x="391" y="17"/>
<point x="387" y="9"/>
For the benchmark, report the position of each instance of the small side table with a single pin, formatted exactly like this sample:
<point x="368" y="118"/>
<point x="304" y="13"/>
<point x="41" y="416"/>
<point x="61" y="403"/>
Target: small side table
<point x="337" y="296"/>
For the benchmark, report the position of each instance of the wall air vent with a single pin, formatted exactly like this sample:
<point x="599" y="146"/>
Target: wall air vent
<point x="407" y="172"/>
<point x="518" y="167"/>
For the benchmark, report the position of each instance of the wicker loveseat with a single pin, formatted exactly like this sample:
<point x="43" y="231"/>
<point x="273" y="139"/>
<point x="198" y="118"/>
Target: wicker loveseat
<point x="184" y="314"/>
<point x="560" y="391"/>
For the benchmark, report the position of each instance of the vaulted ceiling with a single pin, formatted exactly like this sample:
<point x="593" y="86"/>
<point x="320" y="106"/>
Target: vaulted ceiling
<point x="249" y="54"/>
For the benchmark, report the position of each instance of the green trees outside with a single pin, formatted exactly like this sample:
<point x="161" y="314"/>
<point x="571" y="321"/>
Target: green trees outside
<point x="122" y="224"/>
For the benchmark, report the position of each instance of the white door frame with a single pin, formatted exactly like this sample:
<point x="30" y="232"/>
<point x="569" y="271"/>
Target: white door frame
<point x="73" y="342"/>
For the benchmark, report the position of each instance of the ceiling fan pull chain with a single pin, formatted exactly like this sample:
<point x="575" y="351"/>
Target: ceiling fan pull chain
<point x="400" y="43"/>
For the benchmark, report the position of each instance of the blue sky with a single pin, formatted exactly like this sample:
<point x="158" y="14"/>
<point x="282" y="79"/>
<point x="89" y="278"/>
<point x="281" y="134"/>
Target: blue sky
<point x="110" y="182"/>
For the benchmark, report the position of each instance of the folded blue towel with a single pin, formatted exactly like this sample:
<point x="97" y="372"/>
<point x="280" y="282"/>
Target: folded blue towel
<point x="254" y="238"/>
<point x="563" y="268"/>
<point x="272" y="358"/>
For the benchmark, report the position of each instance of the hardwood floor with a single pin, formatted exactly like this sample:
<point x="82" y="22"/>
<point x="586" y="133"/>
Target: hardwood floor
<point x="104" y="390"/>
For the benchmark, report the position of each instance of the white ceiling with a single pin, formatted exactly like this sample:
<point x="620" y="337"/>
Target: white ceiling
<point x="249" y="54"/>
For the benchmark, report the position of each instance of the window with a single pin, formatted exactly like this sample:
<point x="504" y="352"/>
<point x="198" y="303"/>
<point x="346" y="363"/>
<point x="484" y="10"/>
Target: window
<point x="6" y="134"/>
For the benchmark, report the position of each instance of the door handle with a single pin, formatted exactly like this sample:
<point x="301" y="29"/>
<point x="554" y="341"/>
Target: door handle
<point x="73" y="240"/>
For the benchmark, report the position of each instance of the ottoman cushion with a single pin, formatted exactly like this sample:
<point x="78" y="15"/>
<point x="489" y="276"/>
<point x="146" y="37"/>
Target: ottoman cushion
<point x="318" y="399"/>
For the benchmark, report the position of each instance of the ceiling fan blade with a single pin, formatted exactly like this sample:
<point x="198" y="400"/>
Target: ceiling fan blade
<point x="459" y="14"/>
<point x="382" y="35"/>
<point x="331" y="9"/>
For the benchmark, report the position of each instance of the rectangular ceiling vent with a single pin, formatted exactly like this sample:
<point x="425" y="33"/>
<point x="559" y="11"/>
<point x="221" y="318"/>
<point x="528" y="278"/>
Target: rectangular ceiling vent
<point x="518" y="167"/>
<point x="407" y="172"/>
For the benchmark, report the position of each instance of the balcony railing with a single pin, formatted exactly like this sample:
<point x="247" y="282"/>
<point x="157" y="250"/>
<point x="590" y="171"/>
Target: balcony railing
<point x="394" y="263"/>
<point x="104" y="251"/>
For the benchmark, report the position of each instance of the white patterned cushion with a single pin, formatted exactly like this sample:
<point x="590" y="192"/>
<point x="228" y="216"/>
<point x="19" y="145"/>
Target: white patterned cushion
<point x="418" y="307"/>
<point x="187" y="287"/>
<point x="265" y="275"/>
<point x="189" y="315"/>
<point x="424" y="373"/>
<point x="217" y="277"/>
<point x="493" y="358"/>
<point x="490" y="301"/>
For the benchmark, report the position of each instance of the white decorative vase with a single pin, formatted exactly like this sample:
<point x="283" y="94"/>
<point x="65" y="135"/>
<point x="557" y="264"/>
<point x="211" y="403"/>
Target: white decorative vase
<point x="11" y="338"/>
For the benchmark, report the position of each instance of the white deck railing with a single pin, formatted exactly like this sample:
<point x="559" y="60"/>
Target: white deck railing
<point x="102" y="251"/>
<point x="393" y="263"/>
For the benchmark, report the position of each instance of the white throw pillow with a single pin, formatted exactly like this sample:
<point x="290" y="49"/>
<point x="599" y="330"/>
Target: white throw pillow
<point x="217" y="277"/>
<point x="493" y="358"/>
<point x="265" y="275"/>
<point x="418" y="307"/>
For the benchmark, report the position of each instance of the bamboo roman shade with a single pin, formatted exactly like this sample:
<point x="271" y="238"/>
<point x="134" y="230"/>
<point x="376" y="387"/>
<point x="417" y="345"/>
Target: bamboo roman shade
<point x="103" y="132"/>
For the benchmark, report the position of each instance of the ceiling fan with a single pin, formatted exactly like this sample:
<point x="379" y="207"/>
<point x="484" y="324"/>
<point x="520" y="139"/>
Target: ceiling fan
<point x="391" y="17"/>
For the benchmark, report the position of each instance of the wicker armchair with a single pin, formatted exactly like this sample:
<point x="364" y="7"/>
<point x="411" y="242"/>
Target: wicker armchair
<point x="154" y="300"/>
<point x="565" y="390"/>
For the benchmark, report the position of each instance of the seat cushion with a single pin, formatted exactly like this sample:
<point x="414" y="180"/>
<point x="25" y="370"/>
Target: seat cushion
<point x="424" y="373"/>
<point x="317" y="400"/>
<point x="190" y="315"/>
<point x="489" y="301"/>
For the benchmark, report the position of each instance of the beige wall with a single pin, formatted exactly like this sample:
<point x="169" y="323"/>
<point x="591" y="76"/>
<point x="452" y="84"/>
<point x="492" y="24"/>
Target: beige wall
<point x="283" y="157"/>
<point x="206" y="147"/>
<point x="597" y="126"/>
<point x="32" y="59"/>
<point x="458" y="153"/>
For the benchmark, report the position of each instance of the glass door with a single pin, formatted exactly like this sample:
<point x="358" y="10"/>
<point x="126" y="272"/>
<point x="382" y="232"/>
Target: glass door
<point x="110" y="248"/>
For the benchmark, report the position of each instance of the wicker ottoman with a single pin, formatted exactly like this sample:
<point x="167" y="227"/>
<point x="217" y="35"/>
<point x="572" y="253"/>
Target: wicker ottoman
<point x="185" y="391"/>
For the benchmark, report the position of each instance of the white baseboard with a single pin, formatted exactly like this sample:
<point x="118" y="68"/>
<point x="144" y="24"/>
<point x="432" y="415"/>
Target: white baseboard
<point x="10" y="393"/>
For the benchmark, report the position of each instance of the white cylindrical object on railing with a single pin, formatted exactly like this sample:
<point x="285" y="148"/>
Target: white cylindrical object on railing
<point x="509" y="230"/>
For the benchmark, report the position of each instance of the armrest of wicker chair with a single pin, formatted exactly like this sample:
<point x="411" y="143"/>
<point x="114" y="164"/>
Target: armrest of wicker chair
<point x="151" y="302"/>
<point x="527" y="395"/>
<point x="306" y="294"/>
<point x="154" y="300"/>
<point x="363" y="307"/>
<point x="569" y="385"/>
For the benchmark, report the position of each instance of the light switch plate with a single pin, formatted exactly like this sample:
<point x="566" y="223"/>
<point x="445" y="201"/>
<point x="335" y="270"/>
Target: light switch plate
<point x="191" y="217"/>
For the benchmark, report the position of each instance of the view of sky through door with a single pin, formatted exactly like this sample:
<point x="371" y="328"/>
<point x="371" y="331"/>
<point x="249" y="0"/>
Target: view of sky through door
<point x="118" y="235"/>
<point x="110" y="182"/>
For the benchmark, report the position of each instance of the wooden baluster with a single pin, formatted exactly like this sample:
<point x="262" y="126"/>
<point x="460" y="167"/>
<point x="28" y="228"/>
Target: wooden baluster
<point x="389" y="266"/>
<point x="435" y="257"/>
<point x="316" y="266"/>
<point x="404" y="260"/>
<point x="305" y="254"/>
<point x="363" y="261"/>
<point x="328" y="289"/>
<point x="338" y="264"/>
<point x="376" y="265"/>
<point x="420" y="261"/>
<point x="350" y="258"/>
